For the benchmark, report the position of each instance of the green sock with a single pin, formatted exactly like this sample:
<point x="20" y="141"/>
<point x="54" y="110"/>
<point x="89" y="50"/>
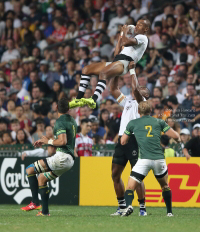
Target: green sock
<point x="129" y="196"/>
<point x="33" y="182"/>
<point x="44" y="191"/>
<point x="167" y="196"/>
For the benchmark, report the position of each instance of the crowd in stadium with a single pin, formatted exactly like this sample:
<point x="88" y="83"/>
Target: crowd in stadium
<point x="36" y="70"/>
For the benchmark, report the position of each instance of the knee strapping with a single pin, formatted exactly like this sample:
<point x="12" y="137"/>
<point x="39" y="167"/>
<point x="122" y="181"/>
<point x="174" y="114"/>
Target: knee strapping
<point x="30" y="166"/>
<point x="38" y="167"/>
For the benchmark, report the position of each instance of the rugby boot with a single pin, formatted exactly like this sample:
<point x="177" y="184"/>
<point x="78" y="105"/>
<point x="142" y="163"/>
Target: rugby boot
<point x="90" y="102"/>
<point x="31" y="206"/>
<point x="75" y="103"/>
<point x="41" y="214"/>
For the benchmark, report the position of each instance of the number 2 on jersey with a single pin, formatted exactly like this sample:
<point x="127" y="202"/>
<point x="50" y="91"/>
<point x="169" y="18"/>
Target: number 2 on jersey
<point x="149" y="128"/>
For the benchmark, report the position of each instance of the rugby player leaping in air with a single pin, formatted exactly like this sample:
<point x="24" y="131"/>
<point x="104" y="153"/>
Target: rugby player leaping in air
<point x="127" y="49"/>
<point x="129" y="152"/>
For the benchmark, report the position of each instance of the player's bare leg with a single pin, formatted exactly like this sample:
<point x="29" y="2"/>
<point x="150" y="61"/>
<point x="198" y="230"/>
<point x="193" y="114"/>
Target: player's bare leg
<point x="116" y="177"/>
<point x="166" y="193"/>
<point x="110" y="71"/>
<point x="87" y="71"/>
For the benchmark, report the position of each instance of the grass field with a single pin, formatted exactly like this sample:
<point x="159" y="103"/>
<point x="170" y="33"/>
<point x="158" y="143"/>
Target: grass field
<point x="96" y="219"/>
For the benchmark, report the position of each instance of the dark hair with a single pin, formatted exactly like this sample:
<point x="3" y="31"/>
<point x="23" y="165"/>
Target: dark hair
<point x="7" y="132"/>
<point x="193" y="85"/>
<point x="165" y="66"/>
<point x="60" y="84"/>
<point x="85" y="120"/>
<point x="101" y="122"/>
<point x="58" y="20"/>
<point x="40" y="121"/>
<point x="6" y="30"/>
<point x="72" y="23"/>
<point x="110" y="100"/>
<point x="63" y="105"/>
<point x="86" y="50"/>
<point x="164" y="76"/>
<point x="14" y="121"/>
<point x="97" y="138"/>
<point x="159" y="88"/>
<point x="183" y="57"/>
<point x="10" y="101"/>
<point x="25" y="136"/>
<point x="164" y="140"/>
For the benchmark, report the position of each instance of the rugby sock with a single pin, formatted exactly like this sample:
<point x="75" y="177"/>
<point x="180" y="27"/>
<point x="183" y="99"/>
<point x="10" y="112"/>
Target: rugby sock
<point x="101" y="85"/>
<point x="33" y="182"/>
<point x="44" y="191"/>
<point x="121" y="202"/>
<point x="142" y="204"/>
<point x="129" y="196"/>
<point x="84" y="82"/>
<point x="167" y="196"/>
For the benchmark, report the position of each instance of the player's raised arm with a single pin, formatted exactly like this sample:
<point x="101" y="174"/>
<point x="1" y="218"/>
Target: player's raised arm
<point x="135" y="84"/>
<point x="118" y="47"/>
<point x="115" y="91"/>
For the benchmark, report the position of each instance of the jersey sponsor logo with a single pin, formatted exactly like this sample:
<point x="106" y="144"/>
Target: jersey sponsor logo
<point x="14" y="181"/>
<point x="134" y="153"/>
<point x="128" y="107"/>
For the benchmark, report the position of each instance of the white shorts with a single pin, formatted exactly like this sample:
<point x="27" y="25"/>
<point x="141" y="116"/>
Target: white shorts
<point x="60" y="163"/>
<point x="143" y="166"/>
<point x="125" y="63"/>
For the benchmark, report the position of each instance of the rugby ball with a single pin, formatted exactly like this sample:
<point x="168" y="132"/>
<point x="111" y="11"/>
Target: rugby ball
<point x="131" y="29"/>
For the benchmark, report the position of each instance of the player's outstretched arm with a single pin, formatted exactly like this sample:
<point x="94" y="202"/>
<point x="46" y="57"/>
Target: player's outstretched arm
<point x="60" y="141"/>
<point x="115" y="91"/>
<point x="173" y="134"/>
<point x="135" y="84"/>
<point x="118" y="47"/>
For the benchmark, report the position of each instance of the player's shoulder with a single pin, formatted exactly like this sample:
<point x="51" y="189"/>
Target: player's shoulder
<point x="141" y="37"/>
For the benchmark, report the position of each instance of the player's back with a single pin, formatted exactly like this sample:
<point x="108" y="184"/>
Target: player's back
<point x="147" y="131"/>
<point x="66" y="124"/>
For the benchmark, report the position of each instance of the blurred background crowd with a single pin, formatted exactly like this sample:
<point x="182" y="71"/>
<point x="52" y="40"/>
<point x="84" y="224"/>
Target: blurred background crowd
<point x="45" y="44"/>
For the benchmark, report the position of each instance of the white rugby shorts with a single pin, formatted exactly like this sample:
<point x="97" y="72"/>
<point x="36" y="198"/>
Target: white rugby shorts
<point x="125" y="63"/>
<point x="143" y="166"/>
<point x="60" y="163"/>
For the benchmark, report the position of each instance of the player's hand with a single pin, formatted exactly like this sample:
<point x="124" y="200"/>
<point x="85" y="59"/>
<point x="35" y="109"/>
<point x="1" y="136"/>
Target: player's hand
<point x="23" y="156"/>
<point x="123" y="30"/>
<point x="44" y="140"/>
<point x="38" y="143"/>
<point x="131" y="65"/>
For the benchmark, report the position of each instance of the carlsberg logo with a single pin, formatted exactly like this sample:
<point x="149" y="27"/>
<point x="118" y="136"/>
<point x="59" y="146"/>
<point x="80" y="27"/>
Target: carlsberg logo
<point x="16" y="184"/>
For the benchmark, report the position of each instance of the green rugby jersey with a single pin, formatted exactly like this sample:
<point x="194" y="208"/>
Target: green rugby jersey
<point x="147" y="131"/>
<point x="65" y="124"/>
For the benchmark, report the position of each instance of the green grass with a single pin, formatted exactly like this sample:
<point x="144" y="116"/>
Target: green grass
<point x="97" y="219"/>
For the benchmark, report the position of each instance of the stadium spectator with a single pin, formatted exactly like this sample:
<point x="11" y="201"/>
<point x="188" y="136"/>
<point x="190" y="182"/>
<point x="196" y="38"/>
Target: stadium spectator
<point x="10" y="54"/>
<point x="22" y="92"/>
<point x="185" y="137"/>
<point x="7" y="138"/>
<point x="120" y="19"/>
<point x="173" y="91"/>
<point x="187" y="103"/>
<point x="126" y="89"/>
<point x="40" y="130"/>
<point x="104" y="117"/>
<point x="139" y="10"/>
<point x="11" y="109"/>
<point x="21" y="137"/>
<point x="96" y="129"/>
<point x="83" y="143"/>
<point x="192" y="147"/>
<point x="3" y="112"/>
<point x="24" y="122"/>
